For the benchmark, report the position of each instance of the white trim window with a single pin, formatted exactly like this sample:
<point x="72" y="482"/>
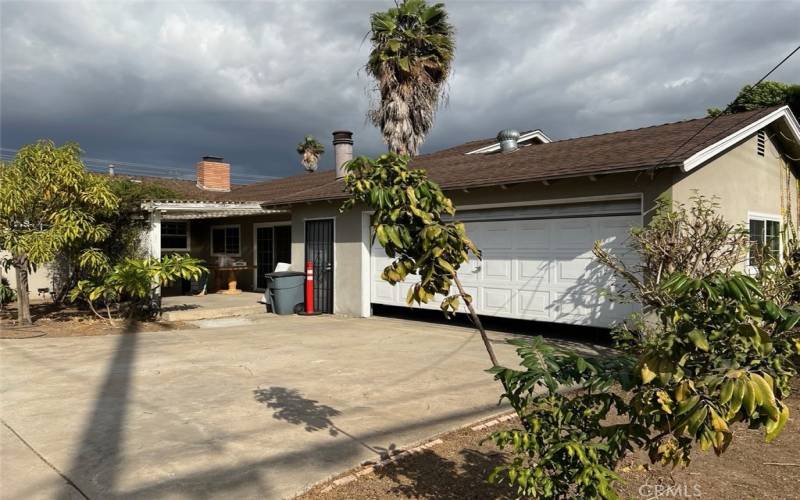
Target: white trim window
<point x="765" y="236"/>
<point x="226" y="240"/>
<point x="175" y="236"/>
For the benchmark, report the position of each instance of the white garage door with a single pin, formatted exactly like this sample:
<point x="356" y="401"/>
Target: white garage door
<point x="537" y="263"/>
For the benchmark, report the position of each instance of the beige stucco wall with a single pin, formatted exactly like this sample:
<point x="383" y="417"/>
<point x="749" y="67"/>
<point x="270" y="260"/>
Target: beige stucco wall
<point x="347" y="254"/>
<point x="743" y="181"/>
<point x="38" y="279"/>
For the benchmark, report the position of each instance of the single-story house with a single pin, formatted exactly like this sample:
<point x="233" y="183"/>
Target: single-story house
<point x="534" y="207"/>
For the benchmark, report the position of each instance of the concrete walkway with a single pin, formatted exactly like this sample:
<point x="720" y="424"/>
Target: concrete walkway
<point x="211" y="306"/>
<point x="252" y="411"/>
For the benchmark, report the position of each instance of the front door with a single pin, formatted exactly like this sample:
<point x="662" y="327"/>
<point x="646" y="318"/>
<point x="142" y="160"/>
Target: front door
<point x="319" y="250"/>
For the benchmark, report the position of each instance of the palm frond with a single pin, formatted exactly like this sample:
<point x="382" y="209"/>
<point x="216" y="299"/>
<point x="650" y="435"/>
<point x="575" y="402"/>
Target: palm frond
<point x="412" y="53"/>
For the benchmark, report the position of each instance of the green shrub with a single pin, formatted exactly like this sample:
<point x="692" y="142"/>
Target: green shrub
<point x="7" y="294"/>
<point x="565" y="446"/>
<point x="135" y="280"/>
<point x="713" y="348"/>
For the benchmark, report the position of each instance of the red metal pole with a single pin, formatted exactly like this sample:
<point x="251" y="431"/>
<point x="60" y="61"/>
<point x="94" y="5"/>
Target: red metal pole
<point x="309" y="287"/>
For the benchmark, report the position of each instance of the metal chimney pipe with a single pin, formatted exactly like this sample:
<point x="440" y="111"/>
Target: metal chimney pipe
<point x="342" y="149"/>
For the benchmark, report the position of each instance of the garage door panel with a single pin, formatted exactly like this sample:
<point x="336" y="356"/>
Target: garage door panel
<point x="497" y="301"/>
<point x="470" y="272"/>
<point x="576" y="306"/>
<point x="589" y="309"/>
<point x="496" y="266"/>
<point x="382" y="291"/>
<point x="571" y="270"/>
<point x="532" y="303"/>
<point x="577" y="233"/>
<point x="496" y="235"/>
<point x="533" y="272"/>
<point x="539" y="269"/>
<point x="532" y="235"/>
<point x="614" y="233"/>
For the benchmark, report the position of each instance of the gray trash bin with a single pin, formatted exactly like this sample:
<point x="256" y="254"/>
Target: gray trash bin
<point x="285" y="291"/>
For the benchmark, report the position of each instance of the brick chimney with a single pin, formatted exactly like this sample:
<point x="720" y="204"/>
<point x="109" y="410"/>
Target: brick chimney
<point x="213" y="174"/>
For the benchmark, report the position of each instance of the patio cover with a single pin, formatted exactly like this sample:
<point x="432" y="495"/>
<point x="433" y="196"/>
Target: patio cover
<point x="184" y="210"/>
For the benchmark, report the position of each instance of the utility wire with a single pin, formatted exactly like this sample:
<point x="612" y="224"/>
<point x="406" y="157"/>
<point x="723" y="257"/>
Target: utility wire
<point x="142" y="169"/>
<point x="729" y="106"/>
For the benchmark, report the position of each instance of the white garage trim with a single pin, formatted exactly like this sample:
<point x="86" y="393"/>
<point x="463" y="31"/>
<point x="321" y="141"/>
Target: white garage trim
<point x="366" y="266"/>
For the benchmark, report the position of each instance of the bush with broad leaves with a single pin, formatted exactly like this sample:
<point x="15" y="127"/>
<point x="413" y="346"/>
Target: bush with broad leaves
<point x="715" y="348"/>
<point x="135" y="280"/>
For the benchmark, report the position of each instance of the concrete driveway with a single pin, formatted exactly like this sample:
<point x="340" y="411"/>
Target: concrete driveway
<point x="261" y="410"/>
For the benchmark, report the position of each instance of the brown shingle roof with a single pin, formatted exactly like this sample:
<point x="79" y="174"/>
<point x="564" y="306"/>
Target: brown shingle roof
<point x="659" y="146"/>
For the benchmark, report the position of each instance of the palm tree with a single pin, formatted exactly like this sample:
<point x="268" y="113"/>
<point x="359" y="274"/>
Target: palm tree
<point x="310" y="149"/>
<point x="411" y="58"/>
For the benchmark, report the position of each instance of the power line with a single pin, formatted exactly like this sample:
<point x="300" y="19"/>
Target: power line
<point x="729" y="106"/>
<point x="143" y="169"/>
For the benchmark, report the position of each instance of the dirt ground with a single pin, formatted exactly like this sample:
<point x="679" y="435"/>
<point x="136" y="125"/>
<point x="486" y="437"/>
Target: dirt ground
<point x="53" y="321"/>
<point x="457" y="468"/>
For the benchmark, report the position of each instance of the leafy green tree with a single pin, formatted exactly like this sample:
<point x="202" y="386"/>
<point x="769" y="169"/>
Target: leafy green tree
<point x="408" y="222"/>
<point x="765" y="94"/>
<point x="412" y="53"/>
<point x="125" y="227"/>
<point x="310" y="150"/>
<point x="715" y="351"/>
<point x="48" y="202"/>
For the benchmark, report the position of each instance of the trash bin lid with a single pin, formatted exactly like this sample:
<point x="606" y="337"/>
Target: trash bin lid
<point x="284" y="274"/>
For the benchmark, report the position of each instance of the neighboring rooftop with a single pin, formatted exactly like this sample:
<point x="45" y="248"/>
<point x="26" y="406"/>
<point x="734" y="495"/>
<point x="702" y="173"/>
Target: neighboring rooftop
<point x="185" y="190"/>
<point x="660" y="146"/>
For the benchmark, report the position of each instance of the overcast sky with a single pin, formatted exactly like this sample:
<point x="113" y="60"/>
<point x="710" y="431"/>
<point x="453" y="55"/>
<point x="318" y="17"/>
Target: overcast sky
<point x="164" y="83"/>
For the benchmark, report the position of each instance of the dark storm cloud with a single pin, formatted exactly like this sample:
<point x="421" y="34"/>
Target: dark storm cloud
<point x="163" y="83"/>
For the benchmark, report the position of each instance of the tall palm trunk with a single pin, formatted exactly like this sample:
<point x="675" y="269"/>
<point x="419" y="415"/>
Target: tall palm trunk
<point x="20" y="263"/>
<point x="396" y="123"/>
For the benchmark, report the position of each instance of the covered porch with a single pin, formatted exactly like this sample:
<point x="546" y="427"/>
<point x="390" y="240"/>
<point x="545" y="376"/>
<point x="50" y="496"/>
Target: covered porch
<point x="239" y="241"/>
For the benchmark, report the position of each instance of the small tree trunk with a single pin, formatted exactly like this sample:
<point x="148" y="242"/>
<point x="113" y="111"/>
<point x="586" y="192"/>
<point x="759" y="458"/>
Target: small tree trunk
<point x="477" y="321"/>
<point x="23" y="299"/>
<point x="110" y="318"/>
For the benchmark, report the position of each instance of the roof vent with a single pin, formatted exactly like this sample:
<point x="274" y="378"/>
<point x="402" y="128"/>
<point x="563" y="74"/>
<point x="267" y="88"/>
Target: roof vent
<point x="508" y="140"/>
<point x="761" y="142"/>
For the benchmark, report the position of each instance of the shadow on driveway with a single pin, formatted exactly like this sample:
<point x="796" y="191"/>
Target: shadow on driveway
<point x="99" y="453"/>
<point x="292" y="407"/>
